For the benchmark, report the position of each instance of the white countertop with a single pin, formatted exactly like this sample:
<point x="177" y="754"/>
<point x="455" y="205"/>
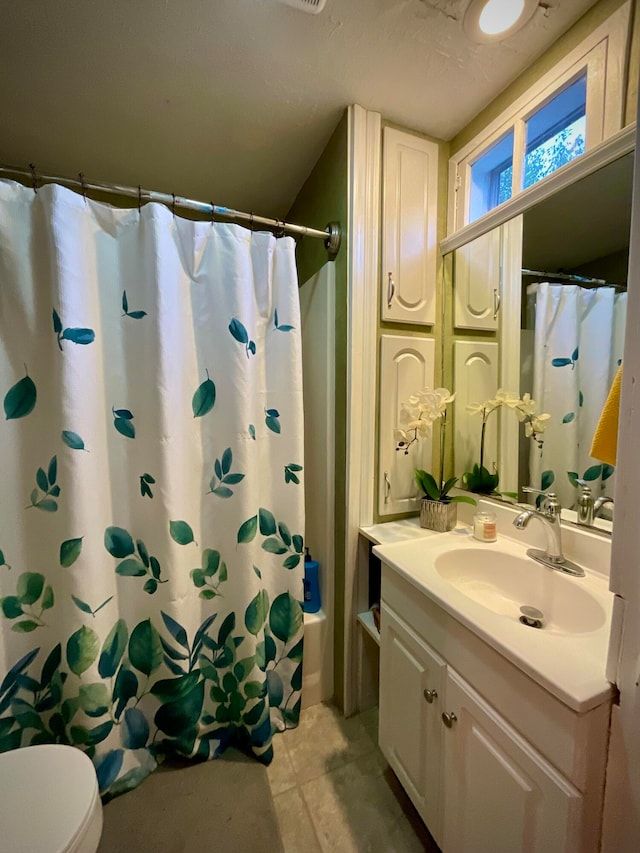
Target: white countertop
<point x="569" y="665"/>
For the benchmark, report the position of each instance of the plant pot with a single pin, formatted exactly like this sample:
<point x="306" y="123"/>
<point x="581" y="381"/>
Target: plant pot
<point x="437" y="515"/>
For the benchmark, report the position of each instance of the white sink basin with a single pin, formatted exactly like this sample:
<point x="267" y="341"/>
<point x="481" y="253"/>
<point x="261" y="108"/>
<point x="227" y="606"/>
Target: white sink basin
<point x="503" y="582"/>
<point x="483" y="587"/>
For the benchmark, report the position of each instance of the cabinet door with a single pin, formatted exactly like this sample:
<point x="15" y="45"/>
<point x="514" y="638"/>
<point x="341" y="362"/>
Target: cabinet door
<point x="477" y="282"/>
<point x="406" y="366"/>
<point x="500" y="794"/>
<point x="409" y="228"/>
<point x="475" y="380"/>
<point x="410" y="733"/>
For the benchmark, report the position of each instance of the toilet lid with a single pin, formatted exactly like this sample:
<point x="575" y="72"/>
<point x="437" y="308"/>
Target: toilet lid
<point x="47" y="793"/>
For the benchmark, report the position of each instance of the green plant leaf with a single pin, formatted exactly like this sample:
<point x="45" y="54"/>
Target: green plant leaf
<point x="574" y="354"/>
<point x="462" y="499"/>
<point x="176" y="630"/>
<point x="113" y="649"/>
<point x="108" y="766"/>
<point x="267" y="522"/>
<point x="52" y="473"/>
<point x="222" y="492"/>
<point x="248" y="529"/>
<point x="252" y="431"/>
<point x="48" y="598"/>
<point x="70" y="551"/>
<point x="570" y="416"/>
<point x="256" y="612"/>
<point x="125" y="302"/>
<point x="181" y="532"/>
<point x="227" y="459"/>
<point x="292" y="561"/>
<point x="210" y="561"/>
<point x="207" y="594"/>
<point x="11" y="607"/>
<point x="25" y="627"/>
<point x="125" y="427"/>
<point x="142" y="551"/>
<point x="238" y="331"/>
<point x="233" y="479"/>
<point x="47" y="505"/>
<point x="573" y="478"/>
<point x="57" y="322"/>
<point x="198" y="577"/>
<point x="204" y="398"/>
<point x="560" y="362"/>
<point x="41" y="480"/>
<point x="136" y="729"/>
<point x="124" y="414"/>
<point x="94" y="699"/>
<point x="298" y="543"/>
<point x="125" y="688"/>
<point x="592" y="473"/>
<point x="118" y="542"/>
<point x="30" y="586"/>
<point x="79" y="336"/>
<point x="82" y="649"/>
<point x="82" y="605"/>
<point x="150" y="586"/>
<point x="272" y="423"/>
<point x="285" y="617"/>
<point x="427" y="484"/>
<point x="607" y="471"/>
<point x="283" y="530"/>
<point x="145" y="648"/>
<point x="546" y="480"/>
<point x="173" y="718"/>
<point x="450" y="483"/>
<point x="131" y="568"/>
<point x="20" y="399"/>
<point x="72" y="440"/>
<point x="274" y="546"/>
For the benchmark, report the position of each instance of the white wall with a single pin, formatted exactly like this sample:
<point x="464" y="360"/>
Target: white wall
<point x="317" y="305"/>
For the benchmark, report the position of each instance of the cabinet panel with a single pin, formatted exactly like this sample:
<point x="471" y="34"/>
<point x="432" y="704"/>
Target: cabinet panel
<point x="477" y="282"/>
<point x="409" y="227"/>
<point x="409" y="733"/>
<point x="406" y="366"/>
<point x="475" y="380"/>
<point x="500" y="794"/>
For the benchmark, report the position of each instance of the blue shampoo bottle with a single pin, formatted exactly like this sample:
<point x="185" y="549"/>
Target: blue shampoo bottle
<point x="311" y="602"/>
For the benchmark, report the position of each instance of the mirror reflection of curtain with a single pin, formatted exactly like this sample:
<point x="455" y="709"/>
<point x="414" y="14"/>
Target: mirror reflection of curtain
<point x="578" y="345"/>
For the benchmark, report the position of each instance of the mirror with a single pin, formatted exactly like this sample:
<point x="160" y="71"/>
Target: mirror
<point x="539" y="308"/>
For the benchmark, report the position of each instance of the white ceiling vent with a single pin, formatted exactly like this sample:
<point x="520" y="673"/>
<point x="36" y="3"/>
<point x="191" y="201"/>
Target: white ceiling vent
<point x="313" y="7"/>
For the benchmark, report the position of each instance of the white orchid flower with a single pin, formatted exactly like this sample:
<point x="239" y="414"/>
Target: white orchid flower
<point x="505" y="398"/>
<point x="476" y="408"/>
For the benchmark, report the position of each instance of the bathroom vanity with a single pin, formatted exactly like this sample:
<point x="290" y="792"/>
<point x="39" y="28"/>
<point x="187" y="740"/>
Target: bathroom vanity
<point x="497" y="731"/>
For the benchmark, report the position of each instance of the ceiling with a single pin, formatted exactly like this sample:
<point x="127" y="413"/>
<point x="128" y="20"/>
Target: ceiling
<point x="234" y="100"/>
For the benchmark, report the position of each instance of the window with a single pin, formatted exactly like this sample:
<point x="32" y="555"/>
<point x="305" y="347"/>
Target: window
<point x="556" y="133"/>
<point x="492" y="177"/>
<point x="567" y="112"/>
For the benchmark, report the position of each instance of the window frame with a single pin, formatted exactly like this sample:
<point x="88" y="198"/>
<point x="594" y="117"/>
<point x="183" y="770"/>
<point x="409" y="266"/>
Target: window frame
<point x="603" y="56"/>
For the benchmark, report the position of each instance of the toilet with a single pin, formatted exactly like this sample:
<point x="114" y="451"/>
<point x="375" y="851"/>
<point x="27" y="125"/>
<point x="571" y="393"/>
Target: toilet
<point x="49" y="801"/>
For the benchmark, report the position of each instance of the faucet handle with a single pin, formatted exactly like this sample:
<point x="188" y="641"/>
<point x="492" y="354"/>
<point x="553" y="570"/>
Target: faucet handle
<point x="551" y="506"/>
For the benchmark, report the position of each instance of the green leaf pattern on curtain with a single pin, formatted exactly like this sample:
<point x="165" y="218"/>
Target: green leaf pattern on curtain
<point x="123" y="636"/>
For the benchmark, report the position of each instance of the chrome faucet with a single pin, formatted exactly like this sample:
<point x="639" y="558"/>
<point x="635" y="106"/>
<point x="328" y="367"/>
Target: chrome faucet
<point x="599" y="503"/>
<point x="588" y="509"/>
<point x="549" y="516"/>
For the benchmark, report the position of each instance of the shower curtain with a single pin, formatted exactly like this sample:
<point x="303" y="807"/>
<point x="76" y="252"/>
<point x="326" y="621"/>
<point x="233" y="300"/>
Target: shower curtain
<point x="151" y="450"/>
<point x="578" y="345"/>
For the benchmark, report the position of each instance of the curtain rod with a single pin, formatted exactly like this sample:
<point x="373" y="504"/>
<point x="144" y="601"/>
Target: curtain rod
<point x="579" y="279"/>
<point x="331" y="235"/>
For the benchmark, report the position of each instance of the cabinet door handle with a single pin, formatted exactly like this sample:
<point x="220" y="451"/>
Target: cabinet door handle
<point x="391" y="289"/>
<point x="449" y="719"/>
<point x="387" y="487"/>
<point x="497" y="300"/>
<point x="430" y="695"/>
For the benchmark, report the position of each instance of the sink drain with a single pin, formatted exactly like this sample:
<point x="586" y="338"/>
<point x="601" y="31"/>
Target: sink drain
<point x="531" y="616"/>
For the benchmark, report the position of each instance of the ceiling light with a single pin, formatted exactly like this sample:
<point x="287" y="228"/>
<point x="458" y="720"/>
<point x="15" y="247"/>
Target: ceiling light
<point x="495" y="20"/>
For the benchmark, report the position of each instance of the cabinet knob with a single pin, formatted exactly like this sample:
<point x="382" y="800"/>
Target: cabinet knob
<point x="391" y="289"/>
<point x="430" y="695"/>
<point x="449" y="719"/>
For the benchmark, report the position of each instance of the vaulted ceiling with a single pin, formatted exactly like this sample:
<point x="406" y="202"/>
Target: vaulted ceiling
<point x="234" y="100"/>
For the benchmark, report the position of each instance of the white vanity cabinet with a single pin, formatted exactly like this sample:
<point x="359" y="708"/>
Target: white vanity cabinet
<point x="491" y="760"/>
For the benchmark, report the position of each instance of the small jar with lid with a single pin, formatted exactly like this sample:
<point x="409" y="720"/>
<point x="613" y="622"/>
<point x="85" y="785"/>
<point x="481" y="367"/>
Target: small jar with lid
<point x="484" y="526"/>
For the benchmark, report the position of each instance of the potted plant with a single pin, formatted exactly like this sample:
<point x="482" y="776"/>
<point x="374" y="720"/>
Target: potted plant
<point x="438" y="509"/>
<point x="480" y="479"/>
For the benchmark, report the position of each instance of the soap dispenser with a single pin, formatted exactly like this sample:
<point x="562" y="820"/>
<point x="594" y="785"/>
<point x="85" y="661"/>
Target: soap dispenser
<point x="311" y="602"/>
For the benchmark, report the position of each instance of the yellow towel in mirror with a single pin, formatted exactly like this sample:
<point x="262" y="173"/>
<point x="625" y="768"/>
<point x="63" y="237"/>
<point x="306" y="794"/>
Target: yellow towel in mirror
<point x="605" y="440"/>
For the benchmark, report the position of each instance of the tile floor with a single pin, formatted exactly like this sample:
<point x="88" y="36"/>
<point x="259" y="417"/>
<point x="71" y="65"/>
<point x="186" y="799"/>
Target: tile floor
<point x="333" y="790"/>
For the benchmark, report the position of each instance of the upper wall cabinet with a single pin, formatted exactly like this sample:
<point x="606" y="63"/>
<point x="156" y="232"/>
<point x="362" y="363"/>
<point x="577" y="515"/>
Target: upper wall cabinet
<point x="409" y="228"/>
<point x="477" y="290"/>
